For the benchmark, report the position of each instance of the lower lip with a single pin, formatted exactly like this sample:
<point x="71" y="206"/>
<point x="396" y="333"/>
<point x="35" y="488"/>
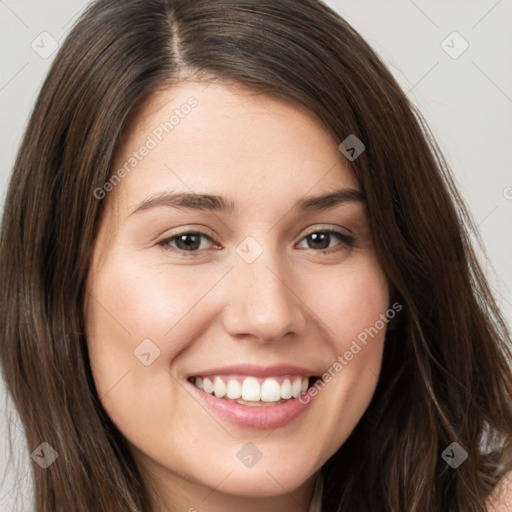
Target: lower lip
<point x="262" y="417"/>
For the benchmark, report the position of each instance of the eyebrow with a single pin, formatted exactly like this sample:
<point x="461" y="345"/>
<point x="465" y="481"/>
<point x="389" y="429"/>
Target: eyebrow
<point x="189" y="200"/>
<point x="326" y="201"/>
<point x="214" y="203"/>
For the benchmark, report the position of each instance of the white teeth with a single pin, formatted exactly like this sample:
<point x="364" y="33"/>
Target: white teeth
<point x="233" y="389"/>
<point x="207" y="385"/>
<point x="270" y="391"/>
<point x="219" y="388"/>
<point x="296" y="387"/>
<point x="250" y="389"/>
<point x="286" y="389"/>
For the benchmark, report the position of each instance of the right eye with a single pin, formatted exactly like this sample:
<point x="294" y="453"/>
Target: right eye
<point x="186" y="242"/>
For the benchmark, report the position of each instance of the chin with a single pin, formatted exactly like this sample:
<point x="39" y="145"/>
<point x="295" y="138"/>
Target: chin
<point x="268" y="479"/>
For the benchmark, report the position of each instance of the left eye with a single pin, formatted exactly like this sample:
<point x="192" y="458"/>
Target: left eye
<point x="321" y="240"/>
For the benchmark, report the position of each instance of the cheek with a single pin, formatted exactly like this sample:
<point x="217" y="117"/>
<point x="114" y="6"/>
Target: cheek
<point x="134" y="301"/>
<point x="137" y="324"/>
<point x="353" y="304"/>
<point x="350" y="301"/>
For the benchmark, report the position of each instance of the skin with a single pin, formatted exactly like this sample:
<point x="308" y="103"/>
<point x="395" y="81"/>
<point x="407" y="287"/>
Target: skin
<point x="294" y="304"/>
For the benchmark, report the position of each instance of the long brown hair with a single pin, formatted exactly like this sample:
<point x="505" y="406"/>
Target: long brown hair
<point x="446" y="373"/>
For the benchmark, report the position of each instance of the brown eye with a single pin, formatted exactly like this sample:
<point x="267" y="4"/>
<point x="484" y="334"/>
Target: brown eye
<point x="322" y="240"/>
<point x="188" y="241"/>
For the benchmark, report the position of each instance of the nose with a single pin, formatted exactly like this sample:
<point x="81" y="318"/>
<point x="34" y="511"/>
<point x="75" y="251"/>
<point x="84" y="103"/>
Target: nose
<point x="261" y="302"/>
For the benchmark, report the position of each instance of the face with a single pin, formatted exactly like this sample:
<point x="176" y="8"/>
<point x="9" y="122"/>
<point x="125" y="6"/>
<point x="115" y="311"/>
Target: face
<point x="251" y="295"/>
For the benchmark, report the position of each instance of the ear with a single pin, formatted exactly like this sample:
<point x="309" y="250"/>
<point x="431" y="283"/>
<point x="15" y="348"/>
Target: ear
<point x="500" y="499"/>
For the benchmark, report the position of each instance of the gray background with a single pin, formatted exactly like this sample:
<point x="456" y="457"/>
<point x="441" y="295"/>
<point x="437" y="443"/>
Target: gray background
<point x="466" y="100"/>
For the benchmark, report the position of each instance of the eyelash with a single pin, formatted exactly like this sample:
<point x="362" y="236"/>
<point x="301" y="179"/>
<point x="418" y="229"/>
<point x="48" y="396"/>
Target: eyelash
<point x="346" y="241"/>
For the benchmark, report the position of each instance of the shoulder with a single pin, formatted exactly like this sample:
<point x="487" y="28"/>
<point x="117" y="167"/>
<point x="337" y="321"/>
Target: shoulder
<point x="501" y="498"/>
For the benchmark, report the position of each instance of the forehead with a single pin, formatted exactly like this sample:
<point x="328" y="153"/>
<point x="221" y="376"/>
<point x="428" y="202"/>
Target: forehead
<point x="226" y="140"/>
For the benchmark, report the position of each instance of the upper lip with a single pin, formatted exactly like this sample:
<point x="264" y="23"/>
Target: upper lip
<point x="256" y="370"/>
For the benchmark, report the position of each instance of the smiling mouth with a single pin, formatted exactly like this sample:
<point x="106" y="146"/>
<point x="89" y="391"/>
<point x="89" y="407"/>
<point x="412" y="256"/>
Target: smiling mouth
<point x="254" y="391"/>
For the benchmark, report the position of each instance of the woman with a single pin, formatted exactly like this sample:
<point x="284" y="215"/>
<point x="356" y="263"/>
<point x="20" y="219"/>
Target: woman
<point x="237" y="276"/>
